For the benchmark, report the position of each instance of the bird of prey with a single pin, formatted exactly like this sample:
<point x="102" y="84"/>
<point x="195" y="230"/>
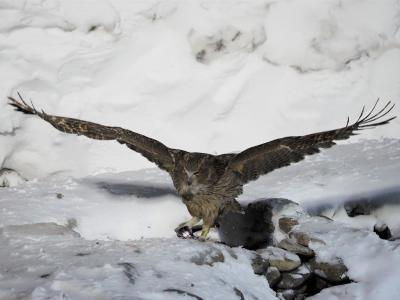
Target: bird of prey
<point x="209" y="184"/>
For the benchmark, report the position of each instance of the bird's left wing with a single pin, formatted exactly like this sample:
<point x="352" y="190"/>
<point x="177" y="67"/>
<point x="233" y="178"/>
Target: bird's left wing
<point x="255" y="161"/>
<point x="150" y="148"/>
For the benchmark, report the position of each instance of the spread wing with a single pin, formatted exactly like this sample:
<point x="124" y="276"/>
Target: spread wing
<point x="152" y="149"/>
<point x="253" y="162"/>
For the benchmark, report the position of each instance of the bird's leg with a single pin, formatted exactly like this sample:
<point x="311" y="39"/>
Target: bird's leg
<point x="186" y="227"/>
<point x="204" y="232"/>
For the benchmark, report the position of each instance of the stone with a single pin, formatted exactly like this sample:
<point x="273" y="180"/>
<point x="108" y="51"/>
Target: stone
<point x="10" y="178"/>
<point x="281" y="259"/>
<point x="360" y="207"/>
<point x="286" y="295"/>
<point x="333" y="271"/>
<point x="259" y="265"/>
<point x="295" y="278"/>
<point x="317" y="284"/>
<point x="273" y="275"/>
<point x="251" y="229"/>
<point x="286" y="224"/>
<point x="383" y="231"/>
<point x="304" y="238"/>
<point x="294" y="294"/>
<point x="294" y="247"/>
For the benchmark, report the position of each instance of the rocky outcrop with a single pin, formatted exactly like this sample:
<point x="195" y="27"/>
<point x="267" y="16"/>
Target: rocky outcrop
<point x="293" y="258"/>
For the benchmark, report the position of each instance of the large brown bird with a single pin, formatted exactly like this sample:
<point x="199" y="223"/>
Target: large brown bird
<point x="209" y="184"/>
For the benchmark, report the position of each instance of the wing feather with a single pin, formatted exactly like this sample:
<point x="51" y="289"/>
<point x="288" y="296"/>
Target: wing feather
<point x="253" y="162"/>
<point x="152" y="149"/>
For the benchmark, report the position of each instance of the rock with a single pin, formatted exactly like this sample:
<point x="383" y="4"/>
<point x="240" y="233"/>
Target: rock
<point x="358" y="208"/>
<point x="294" y="294"/>
<point x="383" y="231"/>
<point x="317" y="284"/>
<point x="304" y="238"/>
<point x="292" y="246"/>
<point x="251" y="229"/>
<point x="287" y="223"/>
<point x="273" y="275"/>
<point x="259" y="265"/>
<point x="334" y="271"/>
<point x="281" y="259"/>
<point x="286" y="295"/>
<point x="208" y="257"/>
<point x="10" y="177"/>
<point x="294" y="279"/>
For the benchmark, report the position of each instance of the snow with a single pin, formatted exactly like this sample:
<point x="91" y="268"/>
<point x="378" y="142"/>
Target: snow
<point x="270" y="69"/>
<point x="61" y="266"/>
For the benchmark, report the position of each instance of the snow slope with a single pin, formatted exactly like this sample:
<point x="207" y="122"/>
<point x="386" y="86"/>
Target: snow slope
<point x="269" y="69"/>
<point x="208" y="76"/>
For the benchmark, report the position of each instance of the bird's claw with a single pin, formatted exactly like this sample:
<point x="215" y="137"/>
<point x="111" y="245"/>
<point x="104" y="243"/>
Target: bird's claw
<point x="200" y="238"/>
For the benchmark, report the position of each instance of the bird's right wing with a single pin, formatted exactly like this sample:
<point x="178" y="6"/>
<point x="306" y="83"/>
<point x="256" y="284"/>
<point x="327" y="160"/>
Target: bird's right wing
<point x="258" y="160"/>
<point x="152" y="149"/>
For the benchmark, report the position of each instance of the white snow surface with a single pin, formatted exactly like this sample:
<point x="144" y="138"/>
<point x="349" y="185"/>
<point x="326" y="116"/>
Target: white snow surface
<point x="285" y="68"/>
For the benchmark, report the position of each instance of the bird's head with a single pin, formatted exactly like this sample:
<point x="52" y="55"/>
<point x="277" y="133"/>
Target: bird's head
<point x="194" y="175"/>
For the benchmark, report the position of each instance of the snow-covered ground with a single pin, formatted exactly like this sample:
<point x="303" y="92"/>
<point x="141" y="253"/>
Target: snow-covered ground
<point x="208" y="76"/>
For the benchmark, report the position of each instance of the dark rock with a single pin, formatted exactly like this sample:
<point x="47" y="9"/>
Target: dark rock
<point x="251" y="229"/>
<point x="316" y="284"/>
<point x="358" y="208"/>
<point x="292" y="246"/>
<point x="286" y="295"/>
<point x="273" y="275"/>
<point x="331" y="271"/>
<point x="259" y="265"/>
<point x="294" y="279"/>
<point x="287" y="223"/>
<point x="294" y="294"/>
<point x="383" y="231"/>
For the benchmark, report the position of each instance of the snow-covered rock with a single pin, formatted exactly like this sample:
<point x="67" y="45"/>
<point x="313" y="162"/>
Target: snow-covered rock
<point x="9" y="177"/>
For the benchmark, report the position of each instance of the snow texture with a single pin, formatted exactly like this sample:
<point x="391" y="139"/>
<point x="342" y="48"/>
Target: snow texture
<point x="207" y="76"/>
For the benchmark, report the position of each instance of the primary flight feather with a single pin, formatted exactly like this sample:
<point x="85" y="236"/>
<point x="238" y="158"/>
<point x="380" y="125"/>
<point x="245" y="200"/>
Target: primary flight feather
<point x="209" y="184"/>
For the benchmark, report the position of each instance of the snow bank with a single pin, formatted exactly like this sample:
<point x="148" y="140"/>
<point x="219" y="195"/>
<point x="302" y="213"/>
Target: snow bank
<point x="268" y="68"/>
<point x="65" y="266"/>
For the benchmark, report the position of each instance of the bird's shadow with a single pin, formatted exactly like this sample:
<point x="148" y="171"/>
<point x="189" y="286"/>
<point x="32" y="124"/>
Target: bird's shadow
<point x="138" y="189"/>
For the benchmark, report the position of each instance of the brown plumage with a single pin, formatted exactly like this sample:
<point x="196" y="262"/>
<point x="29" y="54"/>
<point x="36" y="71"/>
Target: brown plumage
<point x="209" y="184"/>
